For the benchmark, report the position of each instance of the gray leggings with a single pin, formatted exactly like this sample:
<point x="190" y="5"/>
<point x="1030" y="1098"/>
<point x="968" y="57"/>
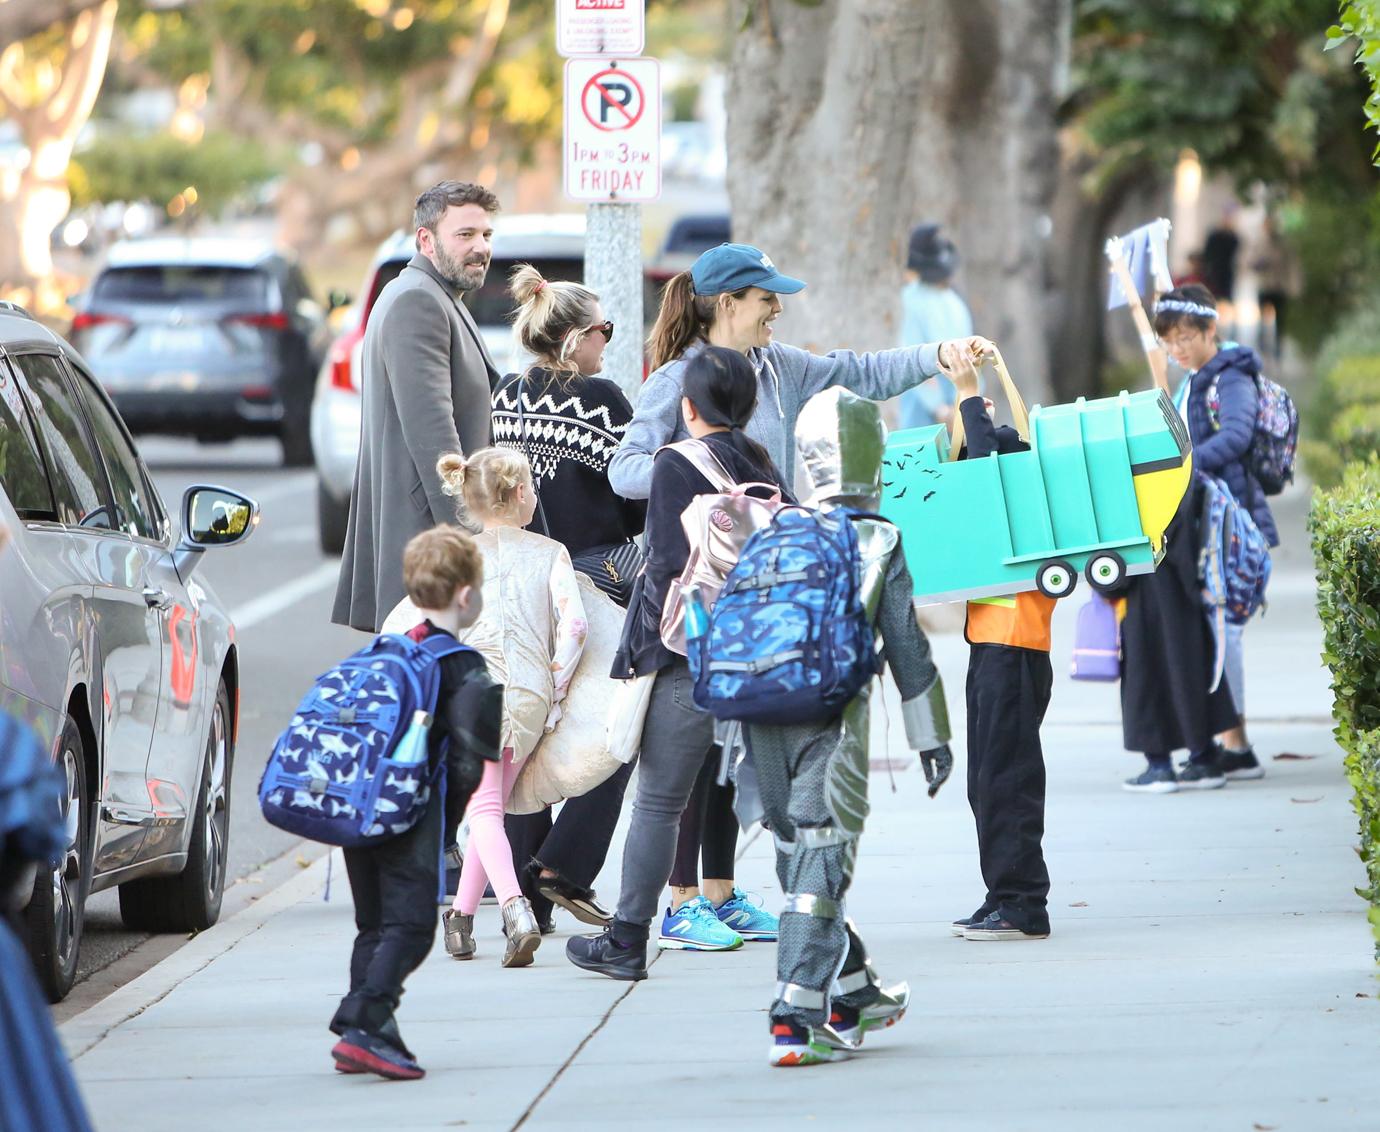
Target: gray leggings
<point x="675" y="742"/>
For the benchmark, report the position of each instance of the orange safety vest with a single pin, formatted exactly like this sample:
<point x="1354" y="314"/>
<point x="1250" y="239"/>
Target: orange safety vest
<point x="1019" y="621"/>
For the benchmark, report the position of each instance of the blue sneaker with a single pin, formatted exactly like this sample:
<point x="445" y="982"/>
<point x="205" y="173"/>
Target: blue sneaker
<point x="749" y="919"/>
<point x="695" y="927"/>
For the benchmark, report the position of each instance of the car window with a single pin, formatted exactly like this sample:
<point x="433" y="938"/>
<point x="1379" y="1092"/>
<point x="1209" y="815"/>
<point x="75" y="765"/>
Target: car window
<point x="22" y="475"/>
<point x="386" y="273"/>
<point x="492" y="305"/>
<point x="182" y="283"/>
<point x="77" y="479"/>
<point x="137" y="512"/>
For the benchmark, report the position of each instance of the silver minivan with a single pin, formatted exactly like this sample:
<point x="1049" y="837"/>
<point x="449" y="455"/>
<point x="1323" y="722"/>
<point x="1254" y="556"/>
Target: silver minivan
<point x="114" y="652"/>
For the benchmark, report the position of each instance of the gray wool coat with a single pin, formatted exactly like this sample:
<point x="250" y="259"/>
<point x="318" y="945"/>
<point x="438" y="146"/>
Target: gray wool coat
<point x="427" y="382"/>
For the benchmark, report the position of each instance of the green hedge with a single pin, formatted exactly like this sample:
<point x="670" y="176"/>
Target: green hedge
<point x="1345" y="527"/>
<point x="1342" y="420"/>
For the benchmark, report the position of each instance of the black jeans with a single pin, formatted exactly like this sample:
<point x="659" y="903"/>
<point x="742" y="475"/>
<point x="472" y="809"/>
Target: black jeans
<point x="394" y="886"/>
<point x="1008" y="692"/>
<point x="575" y="844"/>
<point x="708" y="829"/>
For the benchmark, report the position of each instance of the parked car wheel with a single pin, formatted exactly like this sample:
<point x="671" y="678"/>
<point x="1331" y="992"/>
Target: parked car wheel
<point x="56" y="913"/>
<point x="332" y="520"/>
<point x="191" y="900"/>
<point x="296" y="441"/>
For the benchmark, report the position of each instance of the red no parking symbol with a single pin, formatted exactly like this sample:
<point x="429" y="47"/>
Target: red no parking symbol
<point x="613" y="100"/>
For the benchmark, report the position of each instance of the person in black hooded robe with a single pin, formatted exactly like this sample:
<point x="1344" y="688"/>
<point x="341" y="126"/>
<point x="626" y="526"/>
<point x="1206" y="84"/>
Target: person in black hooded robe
<point x="1167" y="665"/>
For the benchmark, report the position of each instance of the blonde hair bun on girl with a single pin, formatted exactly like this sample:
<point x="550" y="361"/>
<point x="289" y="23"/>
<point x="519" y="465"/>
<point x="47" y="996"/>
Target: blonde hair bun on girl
<point x="487" y="480"/>
<point x="552" y="317"/>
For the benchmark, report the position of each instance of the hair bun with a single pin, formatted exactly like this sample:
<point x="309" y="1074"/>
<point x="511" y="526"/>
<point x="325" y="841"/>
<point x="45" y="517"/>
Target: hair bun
<point x="451" y="468"/>
<point x="525" y="283"/>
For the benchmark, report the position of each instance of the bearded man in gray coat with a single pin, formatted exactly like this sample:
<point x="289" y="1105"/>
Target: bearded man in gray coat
<point x="427" y="382"/>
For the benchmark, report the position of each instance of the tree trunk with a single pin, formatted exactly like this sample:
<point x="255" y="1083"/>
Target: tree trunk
<point x="33" y="202"/>
<point x="850" y="122"/>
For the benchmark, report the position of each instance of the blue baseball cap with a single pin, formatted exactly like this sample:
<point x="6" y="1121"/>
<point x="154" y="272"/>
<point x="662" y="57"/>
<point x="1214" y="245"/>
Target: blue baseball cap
<point x="731" y="267"/>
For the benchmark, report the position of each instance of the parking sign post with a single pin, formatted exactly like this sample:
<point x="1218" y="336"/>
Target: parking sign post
<point x="612" y="159"/>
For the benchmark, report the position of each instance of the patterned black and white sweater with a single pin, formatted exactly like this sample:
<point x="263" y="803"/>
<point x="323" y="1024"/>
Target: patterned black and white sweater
<point x="571" y="434"/>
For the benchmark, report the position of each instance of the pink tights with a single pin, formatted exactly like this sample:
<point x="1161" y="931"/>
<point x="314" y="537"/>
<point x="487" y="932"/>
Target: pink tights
<point x="488" y="856"/>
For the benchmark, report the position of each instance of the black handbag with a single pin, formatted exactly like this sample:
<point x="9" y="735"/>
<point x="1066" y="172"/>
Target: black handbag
<point x="611" y="567"/>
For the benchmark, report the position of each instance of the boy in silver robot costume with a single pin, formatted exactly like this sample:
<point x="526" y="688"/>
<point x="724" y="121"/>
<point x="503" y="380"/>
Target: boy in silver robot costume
<point x="813" y="778"/>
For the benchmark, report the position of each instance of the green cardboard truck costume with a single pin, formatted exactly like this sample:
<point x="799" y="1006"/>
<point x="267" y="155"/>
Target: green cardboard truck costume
<point x="1094" y="494"/>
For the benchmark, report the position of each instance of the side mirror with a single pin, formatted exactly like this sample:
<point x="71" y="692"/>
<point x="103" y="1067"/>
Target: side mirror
<point x="337" y="299"/>
<point x="212" y="516"/>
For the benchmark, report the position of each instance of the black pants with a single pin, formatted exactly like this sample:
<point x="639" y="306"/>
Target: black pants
<point x="394" y="886"/>
<point x="1008" y="692"/>
<point x="708" y="829"/>
<point x="575" y="844"/>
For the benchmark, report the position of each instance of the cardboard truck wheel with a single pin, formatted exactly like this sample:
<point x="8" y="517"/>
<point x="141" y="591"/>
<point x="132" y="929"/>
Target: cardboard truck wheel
<point x="1105" y="570"/>
<point x="1056" y="579"/>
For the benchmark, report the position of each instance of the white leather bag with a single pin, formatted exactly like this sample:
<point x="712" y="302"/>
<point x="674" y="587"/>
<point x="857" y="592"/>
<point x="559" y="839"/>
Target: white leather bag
<point x="574" y="757"/>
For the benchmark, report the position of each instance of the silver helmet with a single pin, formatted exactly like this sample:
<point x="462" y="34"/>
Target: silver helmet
<point x="842" y="438"/>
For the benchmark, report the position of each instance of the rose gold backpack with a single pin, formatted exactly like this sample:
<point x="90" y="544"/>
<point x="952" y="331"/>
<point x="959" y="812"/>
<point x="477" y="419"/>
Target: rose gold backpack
<point x="717" y="527"/>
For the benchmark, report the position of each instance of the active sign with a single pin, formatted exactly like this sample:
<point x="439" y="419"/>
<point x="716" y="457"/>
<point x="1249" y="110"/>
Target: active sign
<point x="600" y="27"/>
<point x="612" y="129"/>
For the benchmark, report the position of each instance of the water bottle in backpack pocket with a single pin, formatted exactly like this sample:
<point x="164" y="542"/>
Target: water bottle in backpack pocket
<point x="787" y="639"/>
<point x="351" y="768"/>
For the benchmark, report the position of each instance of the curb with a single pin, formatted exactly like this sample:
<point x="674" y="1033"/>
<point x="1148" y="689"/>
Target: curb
<point x="88" y="1029"/>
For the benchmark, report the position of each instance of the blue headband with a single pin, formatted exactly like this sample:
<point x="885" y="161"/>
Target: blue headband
<point x="1183" y="307"/>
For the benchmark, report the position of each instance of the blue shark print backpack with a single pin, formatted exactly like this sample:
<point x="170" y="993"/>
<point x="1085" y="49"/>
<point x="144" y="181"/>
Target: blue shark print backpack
<point x="788" y="640"/>
<point x="351" y="768"/>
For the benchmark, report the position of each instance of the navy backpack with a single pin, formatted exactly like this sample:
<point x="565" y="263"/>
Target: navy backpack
<point x="351" y="768"/>
<point x="788" y="640"/>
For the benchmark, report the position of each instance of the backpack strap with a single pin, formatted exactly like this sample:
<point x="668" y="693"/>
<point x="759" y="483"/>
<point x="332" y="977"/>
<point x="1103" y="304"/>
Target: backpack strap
<point x="703" y="460"/>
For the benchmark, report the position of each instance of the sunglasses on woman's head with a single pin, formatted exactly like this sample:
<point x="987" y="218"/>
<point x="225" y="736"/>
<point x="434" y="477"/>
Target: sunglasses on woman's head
<point x="605" y="328"/>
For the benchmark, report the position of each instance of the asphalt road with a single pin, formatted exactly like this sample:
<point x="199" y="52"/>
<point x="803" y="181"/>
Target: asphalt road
<point x="278" y="588"/>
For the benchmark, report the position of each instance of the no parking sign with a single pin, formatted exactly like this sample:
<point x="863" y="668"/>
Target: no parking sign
<point x="612" y="130"/>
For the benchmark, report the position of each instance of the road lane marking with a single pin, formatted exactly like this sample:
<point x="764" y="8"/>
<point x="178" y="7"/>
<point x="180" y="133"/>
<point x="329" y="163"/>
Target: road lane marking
<point x="283" y="597"/>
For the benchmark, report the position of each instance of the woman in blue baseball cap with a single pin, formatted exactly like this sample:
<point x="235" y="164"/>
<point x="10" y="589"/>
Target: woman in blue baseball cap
<point x="730" y="297"/>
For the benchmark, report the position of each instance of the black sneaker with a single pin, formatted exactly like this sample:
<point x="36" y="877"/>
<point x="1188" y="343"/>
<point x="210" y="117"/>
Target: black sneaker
<point x="1201" y="774"/>
<point x="602" y="954"/>
<point x="995" y="927"/>
<point x="1153" y="780"/>
<point x="958" y="927"/>
<point x="359" y="1052"/>
<point x="1239" y="765"/>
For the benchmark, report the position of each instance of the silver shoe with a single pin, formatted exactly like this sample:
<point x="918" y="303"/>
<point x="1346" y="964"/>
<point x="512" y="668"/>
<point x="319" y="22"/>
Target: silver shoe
<point x="523" y="935"/>
<point x="459" y="930"/>
<point x="888" y="1009"/>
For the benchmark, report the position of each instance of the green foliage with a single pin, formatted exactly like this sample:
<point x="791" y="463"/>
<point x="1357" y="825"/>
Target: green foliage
<point x="1360" y="21"/>
<point x="1345" y="528"/>
<point x="1246" y="85"/>
<point x="160" y="167"/>
<point x="1339" y="420"/>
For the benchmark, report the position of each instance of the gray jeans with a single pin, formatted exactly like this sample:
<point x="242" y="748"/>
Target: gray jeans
<point x="675" y="742"/>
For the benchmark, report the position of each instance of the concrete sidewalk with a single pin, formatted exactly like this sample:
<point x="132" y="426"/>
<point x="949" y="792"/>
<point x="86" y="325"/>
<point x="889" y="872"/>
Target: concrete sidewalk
<point x="1210" y="968"/>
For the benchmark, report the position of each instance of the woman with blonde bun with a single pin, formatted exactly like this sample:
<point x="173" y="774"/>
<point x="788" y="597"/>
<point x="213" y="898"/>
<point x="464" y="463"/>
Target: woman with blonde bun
<point x="531" y="634"/>
<point x="568" y="422"/>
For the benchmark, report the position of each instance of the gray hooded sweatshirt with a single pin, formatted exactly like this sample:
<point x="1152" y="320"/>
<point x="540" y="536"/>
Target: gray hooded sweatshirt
<point x="787" y="377"/>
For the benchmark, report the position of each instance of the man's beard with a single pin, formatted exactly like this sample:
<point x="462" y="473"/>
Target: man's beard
<point x="466" y="276"/>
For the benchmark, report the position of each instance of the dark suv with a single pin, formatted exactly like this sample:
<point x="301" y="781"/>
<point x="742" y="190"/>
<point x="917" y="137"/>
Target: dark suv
<point x="206" y="337"/>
